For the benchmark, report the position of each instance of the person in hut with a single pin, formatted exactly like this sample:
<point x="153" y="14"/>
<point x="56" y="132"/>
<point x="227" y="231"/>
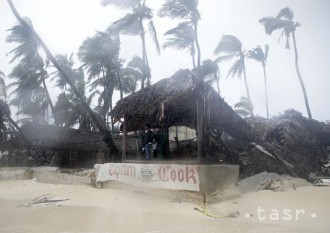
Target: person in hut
<point x="148" y="141"/>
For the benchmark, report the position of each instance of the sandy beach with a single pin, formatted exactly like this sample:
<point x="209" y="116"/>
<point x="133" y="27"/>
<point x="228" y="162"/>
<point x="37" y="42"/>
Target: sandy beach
<point x="113" y="210"/>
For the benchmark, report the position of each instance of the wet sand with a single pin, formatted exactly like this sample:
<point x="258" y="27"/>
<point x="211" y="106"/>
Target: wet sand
<point x="113" y="210"/>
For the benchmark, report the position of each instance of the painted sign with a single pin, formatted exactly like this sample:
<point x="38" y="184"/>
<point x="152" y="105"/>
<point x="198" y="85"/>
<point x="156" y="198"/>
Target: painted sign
<point x="167" y="176"/>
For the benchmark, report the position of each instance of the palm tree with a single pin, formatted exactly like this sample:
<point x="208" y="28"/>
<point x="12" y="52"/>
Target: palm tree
<point x="68" y="107"/>
<point x="27" y="54"/>
<point x="3" y="92"/>
<point x="260" y="55"/>
<point x="107" y="137"/>
<point x="67" y="63"/>
<point x="284" y="21"/>
<point x="230" y="47"/>
<point x="99" y="55"/>
<point x="182" y="38"/>
<point x="210" y="72"/>
<point x="30" y="96"/>
<point x="244" y="107"/>
<point x="188" y="11"/>
<point x="133" y="24"/>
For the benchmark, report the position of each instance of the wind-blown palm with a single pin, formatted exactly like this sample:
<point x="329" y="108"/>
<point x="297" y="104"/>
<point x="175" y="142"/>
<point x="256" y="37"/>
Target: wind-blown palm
<point x="68" y="107"/>
<point x="67" y="63"/>
<point x="230" y="48"/>
<point x="188" y="11"/>
<point x="100" y="57"/>
<point x="182" y="38"/>
<point x="133" y="24"/>
<point x="210" y="72"/>
<point x="260" y="55"/>
<point x="284" y="21"/>
<point x="244" y="107"/>
<point x="27" y="54"/>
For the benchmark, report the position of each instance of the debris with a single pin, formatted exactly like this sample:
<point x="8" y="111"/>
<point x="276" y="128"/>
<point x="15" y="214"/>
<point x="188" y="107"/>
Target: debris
<point x="203" y="209"/>
<point x="322" y="181"/>
<point x="43" y="201"/>
<point x="289" y="143"/>
<point x="270" y="181"/>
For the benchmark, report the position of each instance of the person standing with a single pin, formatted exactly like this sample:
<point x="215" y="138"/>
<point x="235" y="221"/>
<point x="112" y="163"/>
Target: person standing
<point x="148" y="141"/>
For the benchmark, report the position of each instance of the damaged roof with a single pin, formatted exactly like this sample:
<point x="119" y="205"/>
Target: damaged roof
<point x="54" y="137"/>
<point x="173" y="101"/>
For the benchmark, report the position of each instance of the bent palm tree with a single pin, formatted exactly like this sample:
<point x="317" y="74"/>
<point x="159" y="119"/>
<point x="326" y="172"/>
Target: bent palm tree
<point x="260" y="55"/>
<point x="27" y="54"/>
<point x="284" y="21"/>
<point x="187" y="10"/>
<point x="230" y="47"/>
<point x="107" y="137"/>
<point x="182" y="38"/>
<point x="133" y="24"/>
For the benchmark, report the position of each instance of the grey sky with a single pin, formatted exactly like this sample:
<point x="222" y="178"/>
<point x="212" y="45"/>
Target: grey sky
<point x="64" y="24"/>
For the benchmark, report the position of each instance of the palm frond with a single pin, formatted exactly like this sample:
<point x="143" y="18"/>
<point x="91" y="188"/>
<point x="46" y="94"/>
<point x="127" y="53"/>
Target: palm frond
<point x="271" y="24"/>
<point x="180" y="9"/>
<point x="285" y="13"/>
<point x="236" y="69"/>
<point x="244" y="107"/>
<point x="128" y="25"/>
<point x="229" y="44"/>
<point x="180" y="37"/>
<point x="224" y="58"/>
<point x="258" y="54"/>
<point x="124" y="4"/>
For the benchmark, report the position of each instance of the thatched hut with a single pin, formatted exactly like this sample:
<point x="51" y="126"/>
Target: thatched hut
<point x="173" y="102"/>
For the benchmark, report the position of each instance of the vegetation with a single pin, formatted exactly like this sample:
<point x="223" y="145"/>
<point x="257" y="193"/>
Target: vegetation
<point x="100" y="71"/>
<point x="133" y="24"/>
<point x="284" y="21"/>
<point x="230" y="47"/>
<point x="260" y="55"/>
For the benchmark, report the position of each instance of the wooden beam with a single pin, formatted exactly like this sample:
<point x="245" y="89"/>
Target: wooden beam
<point x="124" y="144"/>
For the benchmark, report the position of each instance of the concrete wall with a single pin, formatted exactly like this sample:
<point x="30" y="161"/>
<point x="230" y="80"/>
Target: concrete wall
<point x="207" y="179"/>
<point x="50" y="175"/>
<point x="213" y="178"/>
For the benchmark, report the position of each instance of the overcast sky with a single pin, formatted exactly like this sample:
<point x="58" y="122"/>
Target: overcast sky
<point x="64" y="24"/>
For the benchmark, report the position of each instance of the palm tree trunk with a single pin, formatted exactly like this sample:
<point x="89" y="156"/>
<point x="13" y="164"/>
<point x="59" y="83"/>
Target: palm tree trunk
<point x="247" y="87"/>
<point x="299" y="76"/>
<point x="120" y="85"/>
<point x="49" y="99"/>
<point x="266" y="92"/>
<point x="197" y="46"/>
<point x="201" y="117"/>
<point x="193" y="52"/>
<point x="81" y="97"/>
<point x="144" y="56"/>
<point x="217" y="80"/>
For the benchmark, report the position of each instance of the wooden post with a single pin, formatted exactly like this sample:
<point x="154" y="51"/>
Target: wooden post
<point x="200" y="129"/>
<point x="124" y="144"/>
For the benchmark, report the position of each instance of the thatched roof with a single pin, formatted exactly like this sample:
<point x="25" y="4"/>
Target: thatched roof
<point x="54" y="137"/>
<point x="175" y="98"/>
